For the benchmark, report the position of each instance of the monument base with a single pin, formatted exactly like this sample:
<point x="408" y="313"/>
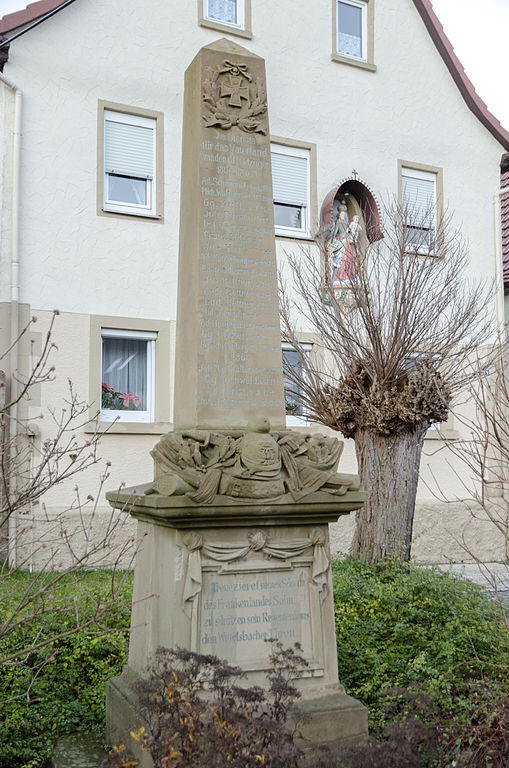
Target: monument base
<point x="333" y="719"/>
<point x="222" y="579"/>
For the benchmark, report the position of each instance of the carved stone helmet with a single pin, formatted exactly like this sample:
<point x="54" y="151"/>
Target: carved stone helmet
<point x="260" y="424"/>
<point x="259" y="451"/>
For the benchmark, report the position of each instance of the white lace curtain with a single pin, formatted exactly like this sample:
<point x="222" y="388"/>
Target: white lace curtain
<point x="223" y="10"/>
<point x="124" y="366"/>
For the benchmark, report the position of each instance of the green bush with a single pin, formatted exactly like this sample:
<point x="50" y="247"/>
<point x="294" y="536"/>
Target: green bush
<point x="418" y="642"/>
<point x="68" y="693"/>
<point x="416" y="645"/>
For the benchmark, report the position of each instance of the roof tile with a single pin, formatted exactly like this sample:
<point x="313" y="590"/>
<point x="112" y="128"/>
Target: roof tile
<point x="32" y="12"/>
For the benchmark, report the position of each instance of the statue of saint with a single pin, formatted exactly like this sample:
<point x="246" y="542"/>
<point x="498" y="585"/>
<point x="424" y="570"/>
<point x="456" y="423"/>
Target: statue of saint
<point x="342" y="249"/>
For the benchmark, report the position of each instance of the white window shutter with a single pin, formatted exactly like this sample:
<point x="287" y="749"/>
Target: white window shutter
<point x="418" y="196"/>
<point x="290" y="179"/>
<point x="128" y="149"/>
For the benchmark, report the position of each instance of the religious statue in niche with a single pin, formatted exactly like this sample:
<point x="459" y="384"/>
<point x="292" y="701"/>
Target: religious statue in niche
<point x="231" y="97"/>
<point x="248" y="466"/>
<point x="342" y="252"/>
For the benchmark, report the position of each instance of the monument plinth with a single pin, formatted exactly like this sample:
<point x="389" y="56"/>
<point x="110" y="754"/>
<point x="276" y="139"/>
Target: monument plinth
<point x="234" y="523"/>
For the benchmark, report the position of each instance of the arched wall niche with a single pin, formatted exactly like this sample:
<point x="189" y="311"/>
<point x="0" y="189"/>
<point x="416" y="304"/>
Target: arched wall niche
<point x="366" y="200"/>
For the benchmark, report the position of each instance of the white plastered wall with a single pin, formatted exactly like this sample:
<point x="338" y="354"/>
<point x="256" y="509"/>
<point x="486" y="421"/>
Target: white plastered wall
<point x="83" y="263"/>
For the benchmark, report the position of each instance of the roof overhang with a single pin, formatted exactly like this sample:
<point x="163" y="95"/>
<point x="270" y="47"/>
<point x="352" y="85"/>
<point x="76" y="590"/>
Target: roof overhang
<point x="13" y="21"/>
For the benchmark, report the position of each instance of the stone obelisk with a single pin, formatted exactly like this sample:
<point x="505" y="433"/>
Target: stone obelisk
<point x="235" y="523"/>
<point x="228" y="367"/>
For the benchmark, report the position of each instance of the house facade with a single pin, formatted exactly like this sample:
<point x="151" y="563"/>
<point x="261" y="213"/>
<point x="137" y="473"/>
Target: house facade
<point x="91" y="119"/>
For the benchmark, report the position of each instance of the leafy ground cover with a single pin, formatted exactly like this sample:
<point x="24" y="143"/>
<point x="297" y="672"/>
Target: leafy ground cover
<point x="67" y="694"/>
<point x="429" y="654"/>
<point x="426" y="652"/>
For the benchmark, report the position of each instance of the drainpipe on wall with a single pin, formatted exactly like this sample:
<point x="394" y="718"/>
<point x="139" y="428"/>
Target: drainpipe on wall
<point x="14" y="293"/>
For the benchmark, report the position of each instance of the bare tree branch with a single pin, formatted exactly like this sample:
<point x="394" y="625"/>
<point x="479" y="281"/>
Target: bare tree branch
<point x="394" y="345"/>
<point x="60" y="545"/>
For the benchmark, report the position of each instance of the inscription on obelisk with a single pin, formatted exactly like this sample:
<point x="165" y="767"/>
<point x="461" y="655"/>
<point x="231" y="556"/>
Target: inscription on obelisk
<point x="228" y="367"/>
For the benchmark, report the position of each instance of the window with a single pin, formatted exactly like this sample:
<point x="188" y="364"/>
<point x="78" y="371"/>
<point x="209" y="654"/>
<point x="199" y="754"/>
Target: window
<point x="229" y="15"/>
<point x="154" y="385"/>
<point x="295" y="412"/>
<point x="353" y="32"/>
<point x="127" y="375"/>
<point x="291" y="190"/>
<point x="419" y="196"/>
<point x="225" y="11"/>
<point x="351" y="39"/>
<point x="130" y="163"/>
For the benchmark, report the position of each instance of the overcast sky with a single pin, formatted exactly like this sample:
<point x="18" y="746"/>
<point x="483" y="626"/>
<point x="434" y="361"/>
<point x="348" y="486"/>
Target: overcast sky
<point x="476" y="29"/>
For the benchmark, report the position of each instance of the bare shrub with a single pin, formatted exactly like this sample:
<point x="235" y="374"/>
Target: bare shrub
<point x="200" y="716"/>
<point x="55" y="546"/>
<point x="484" y="455"/>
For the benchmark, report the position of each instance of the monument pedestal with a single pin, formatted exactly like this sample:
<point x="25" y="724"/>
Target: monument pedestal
<point x="223" y="578"/>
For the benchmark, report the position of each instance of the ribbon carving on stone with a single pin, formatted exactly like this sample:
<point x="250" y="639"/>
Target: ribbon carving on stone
<point x="257" y="541"/>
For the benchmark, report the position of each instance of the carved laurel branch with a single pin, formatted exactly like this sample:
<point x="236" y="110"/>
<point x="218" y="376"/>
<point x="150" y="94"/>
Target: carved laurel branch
<point x="216" y="112"/>
<point x="257" y="541"/>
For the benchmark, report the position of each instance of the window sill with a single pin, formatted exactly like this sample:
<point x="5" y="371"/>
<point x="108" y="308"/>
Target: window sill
<point x="424" y="254"/>
<point x="216" y="25"/>
<point x="353" y="62"/>
<point x="122" y="214"/>
<point x="130" y="428"/>
<point x="295" y="238"/>
<point x="444" y="433"/>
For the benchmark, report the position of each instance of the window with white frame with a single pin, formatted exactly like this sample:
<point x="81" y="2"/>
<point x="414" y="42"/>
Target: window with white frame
<point x="127" y="375"/>
<point x="291" y="185"/>
<point x="419" y="209"/>
<point x="231" y="12"/>
<point x="293" y="368"/>
<point x="352" y="29"/>
<point x="129" y="164"/>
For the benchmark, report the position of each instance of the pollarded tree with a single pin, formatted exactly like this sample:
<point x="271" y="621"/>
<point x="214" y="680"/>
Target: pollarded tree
<point x="396" y="332"/>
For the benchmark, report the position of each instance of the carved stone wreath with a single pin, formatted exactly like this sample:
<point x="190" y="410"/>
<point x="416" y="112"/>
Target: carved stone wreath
<point x="230" y="97"/>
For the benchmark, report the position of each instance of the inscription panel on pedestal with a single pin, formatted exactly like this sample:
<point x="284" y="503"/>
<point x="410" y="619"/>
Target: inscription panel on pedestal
<point x="241" y="607"/>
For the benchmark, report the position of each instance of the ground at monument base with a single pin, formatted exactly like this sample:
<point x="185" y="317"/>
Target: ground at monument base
<point x="332" y="719"/>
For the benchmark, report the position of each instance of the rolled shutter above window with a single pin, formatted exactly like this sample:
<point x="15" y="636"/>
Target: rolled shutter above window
<point x="418" y="194"/>
<point x="290" y="178"/>
<point x="128" y="148"/>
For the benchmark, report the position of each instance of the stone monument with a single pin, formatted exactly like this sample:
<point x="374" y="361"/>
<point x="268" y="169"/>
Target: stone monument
<point x="235" y="521"/>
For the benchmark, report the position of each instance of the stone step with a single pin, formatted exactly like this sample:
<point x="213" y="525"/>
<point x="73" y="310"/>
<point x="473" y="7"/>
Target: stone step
<point x="78" y="750"/>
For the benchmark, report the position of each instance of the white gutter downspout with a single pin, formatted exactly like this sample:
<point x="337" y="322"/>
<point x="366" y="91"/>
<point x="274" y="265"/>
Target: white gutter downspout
<point x="14" y="294"/>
